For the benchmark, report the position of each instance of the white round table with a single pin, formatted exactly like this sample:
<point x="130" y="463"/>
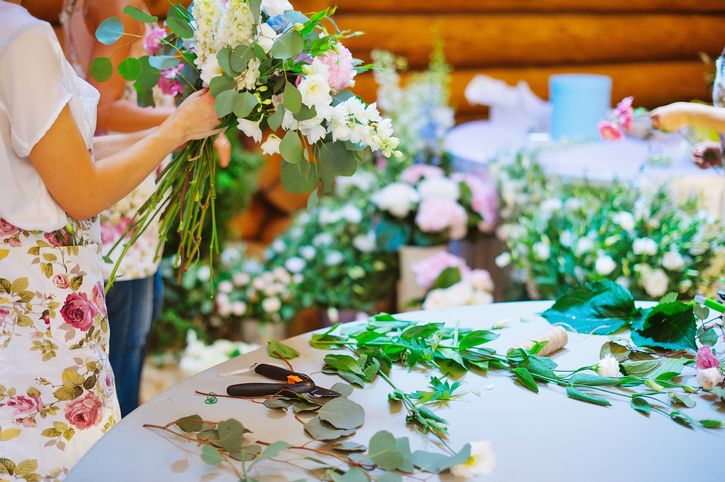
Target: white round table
<point x="544" y="436"/>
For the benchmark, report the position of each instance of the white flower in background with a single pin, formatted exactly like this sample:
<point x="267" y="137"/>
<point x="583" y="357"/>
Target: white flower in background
<point x="397" y="198"/>
<point x="653" y="223"/>
<point x="481" y="298"/>
<point x="541" y="250"/>
<point x="271" y="304"/>
<point x="307" y="252"/>
<point x="250" y="129"/>
<point x="197" y="356"/>
<point x="322" y="239"/>
<point x="225" y="287"/>
<point x="240" y="279"/>
<point x="259" y="283"/>
<point x="459" y="294"/>
<point x="709" y="377"/>
<point x="266" y="38"/>
<point x="623" y="281"/>
<point x="549" y="207"/>
<point x="271" y="145"/>
<point x="673" y="261"/>
<point x="268" y="277"/>
<point x="365" y="243"/>
<point x="278" y="245"/>
<point x="295" y="264"/>
<point x="230" y="256"/>
<point x="362" y="180"/>
<point x="333" y="258"/>
<point x="685" y="285"/>
<point x="480" y="279"/>
<point x="583" y="245"/>
<point x="625" y="220"/>
<point x="440" y="188"/>
<point x="276" y="7"/>
<point x="282" y="275"/>
<point x="572" y="204"/>
<point x="203" y="273"/>
<point x="239" y="308"/>
<point x="608" y="366"/>
<point x="328" y="216"/>
<point x="503" y="260"/>
<point x="655" y="283"/>
<point x="297" y="278"/>
<point x="604" y="264"/>
<point x="436" y="299"/>
<point x="296" y="232"/>
<point x="646" y="246"/>
<point x="566" y="238"/>
<point x="210" y="70"/>
<point x="351" y="214"/>
<point x="481" y="462"/>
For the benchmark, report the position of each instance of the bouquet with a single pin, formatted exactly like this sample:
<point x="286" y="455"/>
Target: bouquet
<point x="425" y="207"/>
<point x="450" y="282"/>
<point x="269" y="67"/>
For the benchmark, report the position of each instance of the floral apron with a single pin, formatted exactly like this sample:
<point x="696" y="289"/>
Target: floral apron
<point x="57" y="394"/>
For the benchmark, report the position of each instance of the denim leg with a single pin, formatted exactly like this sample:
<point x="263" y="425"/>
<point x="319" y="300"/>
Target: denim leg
<point x="130" y="307"/>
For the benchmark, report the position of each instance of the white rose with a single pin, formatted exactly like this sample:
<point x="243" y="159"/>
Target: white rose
<point x="250" y="129"/>
<point x="541" y="250"/>
<point x="435" y="300"/>
<point x="708" y="378"/>
<point x="271" y="304"/>
<point x="482" y="461"/>
<point x="608" y="366"/>
<point x="439" y="187"/>
<point x="276" y="7"/>
<point x="459" y="294"/>
<point x="295" y="264"/>
<point x="625" y="220"/>
<point x="481" y="298"/>
<point x="583" y="245"/>
<point x="481" y="280"/>
<point x="646" y="246"/>
<point x="271" y="145"/>
<point x="604" y="265"/>
<point x="673" y="261"/>
<point x="397" y="198"/>
<point x="656" y="283"/>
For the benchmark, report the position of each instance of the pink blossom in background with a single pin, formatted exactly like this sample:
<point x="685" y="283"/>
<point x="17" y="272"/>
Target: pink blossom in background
<point x="624" y="107"/>
<point x="152" y="41"/>
<point x="342" y="70"/>
<point x="484" y="199"/>
<point x="705" y="359"/>
<point x="169" y="81"/>
<point x="427" y="270"/>
<point x="414" y="173"/>
<point x="481" y="280"/>
<point x="609" y="131"/>
<point x="437" y="214"/>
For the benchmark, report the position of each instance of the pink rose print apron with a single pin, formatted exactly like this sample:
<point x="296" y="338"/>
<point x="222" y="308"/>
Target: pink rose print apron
<point x="57" y="394"/>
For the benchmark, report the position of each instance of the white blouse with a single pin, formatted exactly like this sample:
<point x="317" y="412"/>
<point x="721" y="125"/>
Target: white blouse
<point x="36" y="82"/>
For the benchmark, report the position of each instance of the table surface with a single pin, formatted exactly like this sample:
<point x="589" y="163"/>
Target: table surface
<point x="544" y="436"/>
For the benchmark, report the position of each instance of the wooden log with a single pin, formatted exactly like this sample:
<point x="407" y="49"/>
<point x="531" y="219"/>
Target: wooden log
<point x="525" y="39"/>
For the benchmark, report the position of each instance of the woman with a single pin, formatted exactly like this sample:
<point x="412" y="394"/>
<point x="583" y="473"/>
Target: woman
<point x="57" y="393"/>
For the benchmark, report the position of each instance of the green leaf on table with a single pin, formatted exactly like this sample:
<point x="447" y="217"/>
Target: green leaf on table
<point x="211" y="455"/>
<point x="293" y="180"/>
<point x="163" y="62"/>
<point x="640" y="404"/>
<point x="243" y="104"/>
<point x="342" y="413"/>
<point x="239" y="59"/>
<point x="179" y="27"/>
<point x="277" y="403"/>
<point x="344" y="363"/>
<point x="541" y="367"/>
<point x="150" y="75"/>
<point x="354" y="474"/>
<point x="476" y="338"/>
<point x="292" y="98"/>
<point x="681" y="398"/>
<point x="275" y="120"/>
<point x="711" y="423"/>
<point x="708" y="337"/>
<point x="348" y="446"/>
<point x="109" y="31"/>
<point x="653" y="369"/>
<point x="221" y="83"/>
<point x="291" y="148"/>
<point x="130" y="68"/>
<point x="231" y="435"/>
<point x="319" y="430"/>
<point x="343" y="389"/>
<point x="287" y="352"/>
<point x="138" y="14"/>
<point x="434" y="462"/>
<point x="192" y="423"/>
<point x="682" y="418"/>
<point x="617" y="349"/>
<point x="585" y="397"/>
<point x="287" y="45"/>
<point x="421" y="331"/>
<point x="384" y="451"/>
<point x="272" y="450"/>
<point x="592" y="380"/>
<point x="702" y="312"/>
<point x="224" y="102"/>
<point x="603" y="305"/>
<point x="524" y="377"/>
<point x="669" y="325"/>
<point x="101" y="69"/>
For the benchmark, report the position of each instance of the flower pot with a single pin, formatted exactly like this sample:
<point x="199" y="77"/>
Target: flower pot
<point x="408" y="288"/>
<point x="255" y="331"/>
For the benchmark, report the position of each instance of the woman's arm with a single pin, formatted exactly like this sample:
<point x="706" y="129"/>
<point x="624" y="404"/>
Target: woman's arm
<point x="673" y="116"/>
<point x="83" y="188"/>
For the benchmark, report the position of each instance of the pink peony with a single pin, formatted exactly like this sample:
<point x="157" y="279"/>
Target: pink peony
<point x="78" y="311"/>
<point x="342" y="70"/>
<point x="169" y="81"/>
<point x="84" y="413"/>
<point x="152" y="41"/>
<point x="61" y="281"/>
<point x="609" y="131"/>
<point x="437" y="214"/>
<point x="25" y="405"/>
<point x="705" y="359"/>
<point x="414" y="173"/>
<point x="427" y="270"/>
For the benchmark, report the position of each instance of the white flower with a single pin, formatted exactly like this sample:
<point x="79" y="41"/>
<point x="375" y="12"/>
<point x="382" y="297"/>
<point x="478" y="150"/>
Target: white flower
<point x="333" y="258"/>
<point x="271" y="145"/>
<point x="583" y="245"/>
<point x="278" y="245"/>
<point x="276" y="7"/>
<point x="365" y="242"/>
<point x="572" y="204"/>
<point x="624" y="219"/>
<point x="351" y="214"/>
<point x="203" y="273"/>
<point x="397" y="198"/>
<point x="440" y="188"/>
<point x="267" y="36"/>
<point x="322" y="239"/>
<point x="282" y="275"/>
<point x="481" y="298"/>
<point x="230" y="256"/>
<point x="673" y="261"/>
<point x="247" y="80"/>
<point x="623" y="281"/>
<point x="271" y="304"/>
<point x="259" y="283"/>
<point x="480" y="279"/>
<point x="436" y="299"/>
<point x="604" y="265"/>
<point x="708" y="378"/>
<point x="239" y="308"/>
<point x="503" y="260"/>
<point x="549" y="207"/>
<point x="646" y="246"/>
<point x="295" y="264"/>
<point x="608" y="366"/>
<point x="308" y="252"/>
<point x="482" y="461"/>
<point x="656" y="283"/>
<point x="210" y="70"/>
<point x="225" y="287"/>
<point x="315" y="90"/>
<point x="541" y="250"/>
<point x="566" y="238"/>
<point x="250" y="129"/>
<point x="459" y="294"/>
<point x="297" y="278"/>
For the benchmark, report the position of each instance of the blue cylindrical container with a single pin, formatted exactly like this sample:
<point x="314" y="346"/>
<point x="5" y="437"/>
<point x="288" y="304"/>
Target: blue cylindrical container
<point x="579" y="102"/>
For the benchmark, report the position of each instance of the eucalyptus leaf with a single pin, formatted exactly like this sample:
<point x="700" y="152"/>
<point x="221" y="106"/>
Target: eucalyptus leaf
<point x="312" y="200"/>
<point x="326" y="173"/>
<point x="354" y="474"/>
<point x="342" y="414"/>
<point x="256" y="7"/>
<point x="348" y="447"/>
<point x="404" y="445"/>
<point x="306" y="407"/>
<point x="287" y="352"/>
<point x="210" y="455"/>
<point x="239" y="59"/>
<point x="221" y="83"/>
<point x="163" y="62"/>
<point x="191" y="423"/>
<point x="130" y="68"/>
<point x="287" y="45"/>
<point x="138" y="14"/>
<point x="334" y="152"/>
<point x="460" y="458"/>
<point x="708" y="337"/>
<point x="180" y="27"/>
<point x="343" y="389"/>
<point x="275" y="120"/>
<point x="109" y="31"/>
<point x="150" y="75"/>
<point x="291" y="148"/>
<point x="292" y="99"/>
<point x="272" y="450"/>
<point x="223" y="56"/>
<point x="224" y="103"/>
<point x="101" y="69"/>
<point x="429" y="461"/>
<point x="319" y="430"/>
<point x="305" y="113"/>
<point x="277" y="403"/>
<point x="231" y="435"/>
<point x="293" y="16"/>
<point x="384" y="451"/>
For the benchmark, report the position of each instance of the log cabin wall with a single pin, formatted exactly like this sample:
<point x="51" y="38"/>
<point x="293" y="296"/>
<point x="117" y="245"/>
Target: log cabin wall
<point x="650" y="48"/>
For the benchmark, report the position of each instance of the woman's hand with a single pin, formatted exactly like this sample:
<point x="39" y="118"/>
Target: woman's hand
<point x="194" y="119"/>
<point x="671" y="117"/>
<point x="707" y="154"/>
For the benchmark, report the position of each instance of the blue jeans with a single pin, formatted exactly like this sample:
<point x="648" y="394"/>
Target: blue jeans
<point x="133" y="306"/>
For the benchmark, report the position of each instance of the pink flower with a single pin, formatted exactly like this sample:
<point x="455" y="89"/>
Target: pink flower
<point x="484" y="199"/>
<point x="705" y="359"/>
<point x="25" y="405"/>
<point x="342" y="70"/>
<point x="152" y="41"/>
<point x="84" y="413"/>
<point x="427" y="270"/>
<point x="78" y="311"/>
<point x="169" y="82"/>
<point x="8" y="316"/>
<point x="480" y="279"/>
<point x="98" y="298"/>
<point x="28" y="422"/>
<point x="413" y="174"/>
<point x="61" y="281"/>
<point x="54" y="240"/>
<point x="437" y="214"/>
<point x="7" y="229"/>
<point x="624" y="107"/>
<point x="609" y="131"/>
<point x="708" y="378"/>
<point x="13" y="241"/>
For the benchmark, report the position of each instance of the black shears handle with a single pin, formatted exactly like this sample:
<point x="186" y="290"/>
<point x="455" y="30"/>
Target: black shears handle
<point x="266" y="389"/>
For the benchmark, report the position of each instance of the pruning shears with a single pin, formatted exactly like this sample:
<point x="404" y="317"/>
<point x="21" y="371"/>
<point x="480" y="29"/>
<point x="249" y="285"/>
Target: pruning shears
<point x="290" y="384"/>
